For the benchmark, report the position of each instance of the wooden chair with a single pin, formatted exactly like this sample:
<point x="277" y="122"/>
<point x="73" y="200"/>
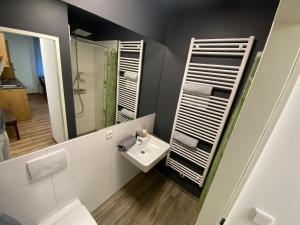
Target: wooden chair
<point x="10" y="120"/>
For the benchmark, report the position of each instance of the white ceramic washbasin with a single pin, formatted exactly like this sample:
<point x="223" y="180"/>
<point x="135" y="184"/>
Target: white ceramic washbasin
<point x="147" y="154"/>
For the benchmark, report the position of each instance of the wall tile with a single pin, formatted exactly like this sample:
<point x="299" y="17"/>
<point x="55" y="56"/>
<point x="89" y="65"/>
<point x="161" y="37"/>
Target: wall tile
<point x="122" y="170"/>
<point x="95" y="171"/>
<point x="40" y="214"/>
<point x="13" y="173"/>
<point x="28" y="198"/>
<point x="88" y="175"/>
<point x="85" y="52"/>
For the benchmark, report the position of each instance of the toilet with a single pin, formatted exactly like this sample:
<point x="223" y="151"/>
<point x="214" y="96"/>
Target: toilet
<point x="73" y="214"/>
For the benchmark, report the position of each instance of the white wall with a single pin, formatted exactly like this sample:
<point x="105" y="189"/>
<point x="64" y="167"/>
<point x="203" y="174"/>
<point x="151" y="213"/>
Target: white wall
<point x="95" y="171"/>
<point x="23" y="57"/>
<point x="274" y="184"/>
<point x="270" y="78"/>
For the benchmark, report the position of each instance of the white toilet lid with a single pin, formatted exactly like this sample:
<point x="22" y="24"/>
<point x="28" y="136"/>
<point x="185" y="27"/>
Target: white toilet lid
<point x="73" y="214"/>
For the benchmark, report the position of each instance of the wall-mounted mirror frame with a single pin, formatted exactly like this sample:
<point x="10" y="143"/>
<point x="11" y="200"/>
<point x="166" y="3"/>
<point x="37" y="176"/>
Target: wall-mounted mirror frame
<point x="51" y="52"/>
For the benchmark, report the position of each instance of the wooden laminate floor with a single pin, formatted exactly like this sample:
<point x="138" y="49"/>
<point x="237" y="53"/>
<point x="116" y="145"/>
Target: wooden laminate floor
<point x="35" y="133"/>
<point x="149" y="199"/>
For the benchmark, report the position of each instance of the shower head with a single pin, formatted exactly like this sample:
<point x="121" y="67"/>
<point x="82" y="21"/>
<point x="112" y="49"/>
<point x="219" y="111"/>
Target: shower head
<point x="82" y="33"/>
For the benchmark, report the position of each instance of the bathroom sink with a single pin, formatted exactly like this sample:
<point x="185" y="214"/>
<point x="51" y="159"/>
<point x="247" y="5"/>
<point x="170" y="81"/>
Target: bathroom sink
<point x="147" y="154"/>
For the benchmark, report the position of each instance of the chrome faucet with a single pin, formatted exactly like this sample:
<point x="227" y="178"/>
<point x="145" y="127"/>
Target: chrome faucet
<point x="141" y="136"/>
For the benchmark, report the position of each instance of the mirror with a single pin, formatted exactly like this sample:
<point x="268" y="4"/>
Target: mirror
<point x="94" y="73"/>
<point x="115" y="78"/>
<point x="116" y="72"/>
<point x="31" y="94"/>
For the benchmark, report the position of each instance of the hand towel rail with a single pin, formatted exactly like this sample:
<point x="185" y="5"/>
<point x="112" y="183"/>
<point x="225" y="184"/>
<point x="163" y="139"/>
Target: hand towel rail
<point x="204" y="117"/>
<point x="127" y="90"/>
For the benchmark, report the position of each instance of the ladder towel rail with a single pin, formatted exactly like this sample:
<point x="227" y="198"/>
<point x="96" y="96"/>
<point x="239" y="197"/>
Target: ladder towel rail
<point x="127" y="90"/>
<point x="204" y="117"/>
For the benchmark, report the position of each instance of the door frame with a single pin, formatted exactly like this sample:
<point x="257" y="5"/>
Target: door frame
<point x="280" y="104"/>
<point x="259" y="147"/>
<point x="59" y="69"/>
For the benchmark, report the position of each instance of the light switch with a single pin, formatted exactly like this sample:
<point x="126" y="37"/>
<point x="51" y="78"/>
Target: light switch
<point x="109" y="134"/>
<point x="261" y="218"/>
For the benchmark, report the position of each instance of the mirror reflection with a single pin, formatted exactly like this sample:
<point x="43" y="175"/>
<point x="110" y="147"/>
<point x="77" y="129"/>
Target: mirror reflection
<point x="115" y="75"/>
<point x="31" y="107"/>
<point x="94" y="70"/>
<point x="106" y="81"/>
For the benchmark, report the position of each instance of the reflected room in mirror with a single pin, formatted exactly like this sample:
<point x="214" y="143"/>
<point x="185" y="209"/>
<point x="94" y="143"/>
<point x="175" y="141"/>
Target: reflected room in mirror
<point x="106" y="81"/>
<point x="94" y="73"/>
<point x="31" y="101"/>
<point x="115" y="71"/>
<point x="115" y="77"/>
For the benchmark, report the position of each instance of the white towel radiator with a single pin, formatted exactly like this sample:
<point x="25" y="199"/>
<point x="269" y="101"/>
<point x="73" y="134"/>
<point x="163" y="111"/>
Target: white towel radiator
<point x="204" y="117"/>
<point x="130" y="57"/>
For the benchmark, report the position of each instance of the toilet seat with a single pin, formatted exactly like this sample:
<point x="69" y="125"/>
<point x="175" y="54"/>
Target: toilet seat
<point x="73" y="214"/>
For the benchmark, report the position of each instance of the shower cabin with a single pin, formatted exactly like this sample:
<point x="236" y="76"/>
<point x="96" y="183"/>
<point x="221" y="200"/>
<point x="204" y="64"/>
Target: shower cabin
<point x="94" y="74"/>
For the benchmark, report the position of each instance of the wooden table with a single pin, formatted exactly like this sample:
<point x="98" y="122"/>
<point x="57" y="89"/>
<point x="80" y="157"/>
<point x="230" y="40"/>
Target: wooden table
<point x="16" y="101"/>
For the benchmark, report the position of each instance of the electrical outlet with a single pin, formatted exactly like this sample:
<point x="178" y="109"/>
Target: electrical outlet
<point x="109" y="134"/>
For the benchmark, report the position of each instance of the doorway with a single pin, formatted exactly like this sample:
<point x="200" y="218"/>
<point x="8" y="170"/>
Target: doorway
<point x="31" y="93"/>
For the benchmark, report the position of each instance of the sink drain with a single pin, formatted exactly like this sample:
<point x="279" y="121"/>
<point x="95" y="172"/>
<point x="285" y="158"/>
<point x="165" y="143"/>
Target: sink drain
<point x="143" y="152"/>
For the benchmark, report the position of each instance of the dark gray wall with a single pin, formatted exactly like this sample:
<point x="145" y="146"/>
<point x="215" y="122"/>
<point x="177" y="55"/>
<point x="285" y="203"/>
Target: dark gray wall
<point x="220" y="22"/>
<point x="151" y="77"/>
<point x="47" y="17"/>
<point x="142" y="16"/>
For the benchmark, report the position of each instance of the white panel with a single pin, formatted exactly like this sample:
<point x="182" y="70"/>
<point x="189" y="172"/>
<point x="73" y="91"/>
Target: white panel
<point x="204" y="117"/>
<point x="49" y="57"/>
<point x="95" y="169"/>
<point x="274" y="182"/>
<point x="25" y="200"/>
<point x="13" y="173"/>
<point x="88" y="175"/>
<point x="40" y="214"/>
<point x="260" y="103"/>
<point x="29" y="203"/>
<point x="95" y="172"/>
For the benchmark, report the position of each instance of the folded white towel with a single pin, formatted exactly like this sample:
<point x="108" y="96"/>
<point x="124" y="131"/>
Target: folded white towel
<point x="133" y="76"/>
<point x="197" y="89"/>
<point x="185" y="139"/>
<point x="127" y="113"/>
